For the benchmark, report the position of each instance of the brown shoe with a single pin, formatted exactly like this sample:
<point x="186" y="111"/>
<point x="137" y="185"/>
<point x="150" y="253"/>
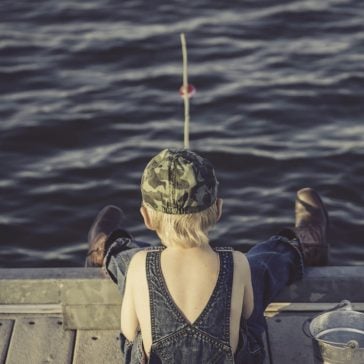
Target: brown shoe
<point x="108" y="220"/>
<point x="311" y="227"/>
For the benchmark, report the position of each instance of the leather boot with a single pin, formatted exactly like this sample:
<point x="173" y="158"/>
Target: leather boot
<point x="107" y="221"/>
<point x="311" y="227"/>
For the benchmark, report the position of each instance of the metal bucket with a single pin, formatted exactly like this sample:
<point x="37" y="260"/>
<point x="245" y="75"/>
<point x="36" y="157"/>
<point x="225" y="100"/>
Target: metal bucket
<point x="337" y="335"/>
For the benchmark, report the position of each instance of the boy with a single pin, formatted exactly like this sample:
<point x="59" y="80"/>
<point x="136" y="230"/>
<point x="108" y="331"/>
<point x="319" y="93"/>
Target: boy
<point x="186" y="300"/>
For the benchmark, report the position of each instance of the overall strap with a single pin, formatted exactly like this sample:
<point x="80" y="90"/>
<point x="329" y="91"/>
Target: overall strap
<point x="215" y="318"/>
<point x="165" y="317"/>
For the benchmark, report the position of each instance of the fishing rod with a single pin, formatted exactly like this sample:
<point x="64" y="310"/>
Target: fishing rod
<point x="186" y="91"/>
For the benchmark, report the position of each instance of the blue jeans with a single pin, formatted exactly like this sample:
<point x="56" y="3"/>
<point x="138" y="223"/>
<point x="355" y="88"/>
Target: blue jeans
<point x="274" y="263"/>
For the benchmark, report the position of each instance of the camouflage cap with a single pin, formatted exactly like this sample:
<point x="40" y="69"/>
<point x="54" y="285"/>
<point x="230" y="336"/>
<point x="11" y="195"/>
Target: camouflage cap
<point x="179" y="182"/>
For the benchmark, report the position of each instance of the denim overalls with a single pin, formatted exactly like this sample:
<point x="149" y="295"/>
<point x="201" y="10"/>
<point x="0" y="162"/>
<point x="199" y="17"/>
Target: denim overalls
<point x="274" y="264"/>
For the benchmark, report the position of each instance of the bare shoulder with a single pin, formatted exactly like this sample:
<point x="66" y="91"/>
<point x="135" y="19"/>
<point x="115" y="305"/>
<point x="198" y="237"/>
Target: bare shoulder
<point x="139" y="257"/>
<point x="240" y="257"/>
<point x="241" y="263"/>
<point x="137" y="263"/>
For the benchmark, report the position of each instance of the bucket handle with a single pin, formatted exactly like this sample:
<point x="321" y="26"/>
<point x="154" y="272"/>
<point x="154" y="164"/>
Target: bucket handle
<point x="345" y="304"/>
<point x="305" y="328"/>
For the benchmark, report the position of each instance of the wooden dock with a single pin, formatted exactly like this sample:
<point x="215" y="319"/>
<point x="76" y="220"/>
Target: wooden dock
<point x="72" y="315"/>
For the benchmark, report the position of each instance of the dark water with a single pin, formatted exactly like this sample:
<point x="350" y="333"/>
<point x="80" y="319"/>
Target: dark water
<point x="89" y="92"/>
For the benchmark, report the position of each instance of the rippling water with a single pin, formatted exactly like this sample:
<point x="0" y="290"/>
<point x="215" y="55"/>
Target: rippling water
<point x="89" y="93"/>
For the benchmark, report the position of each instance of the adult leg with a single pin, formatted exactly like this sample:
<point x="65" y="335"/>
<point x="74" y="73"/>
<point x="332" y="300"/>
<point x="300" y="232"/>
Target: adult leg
<point x="111" y="246"/>
<point x="274" y="264"/>
<point x="280" y="260"/>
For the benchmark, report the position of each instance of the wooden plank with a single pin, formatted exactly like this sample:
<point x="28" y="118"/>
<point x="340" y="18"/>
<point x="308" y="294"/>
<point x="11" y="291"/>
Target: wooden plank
<point x="80" y="289"/>
<point x="40" y="339"/>
<point x="287" y="342"/>
<point x="267" y="349"/>
<point x="90" y="285"/>
<point x="6" y="329"/>
<point x="91" y="291"/>
<point x="19" y="274"/>
<point x="326" y="284"/>
<point x="45" y="285"/>
<point x="30" y="309"/>
<point x="92" y="317"/>
<point x="97" y="346"/>
<point x="29" y="291"/>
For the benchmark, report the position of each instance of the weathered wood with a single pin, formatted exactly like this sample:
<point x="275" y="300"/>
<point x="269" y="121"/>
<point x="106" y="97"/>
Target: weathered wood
<point x="95" y="347"/>
<point x="287" y="342"/>
<point x="267" y="349"/>
<point x="40" y="339"/>
<point x="6" y="329"/>
<point x="27" y="291"/>
<point x="50" y="285"/>
<point x="51" y="273"/>
<point x="90" y="287"/>
<point x="326" y="284"/>
<point x="89" y="291"/>
<point x="92" y="317"/>
<point x="34" y="309"/>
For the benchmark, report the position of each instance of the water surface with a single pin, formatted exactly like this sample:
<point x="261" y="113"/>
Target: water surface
<point x="89" y="93"/>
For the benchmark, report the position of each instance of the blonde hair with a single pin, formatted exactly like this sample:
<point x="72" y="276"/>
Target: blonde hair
<point x="185" y="230"/>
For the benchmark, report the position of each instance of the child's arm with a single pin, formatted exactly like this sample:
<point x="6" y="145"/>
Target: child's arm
<point x="248" y="303"/>
<point x="129" y="320"/>
<point x="242" y="275"/>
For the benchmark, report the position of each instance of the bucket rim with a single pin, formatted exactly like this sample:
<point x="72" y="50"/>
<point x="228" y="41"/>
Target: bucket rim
<point x="351" y="344"/>
<point x="344" y="307"/>
<point x="337" y="313"/>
